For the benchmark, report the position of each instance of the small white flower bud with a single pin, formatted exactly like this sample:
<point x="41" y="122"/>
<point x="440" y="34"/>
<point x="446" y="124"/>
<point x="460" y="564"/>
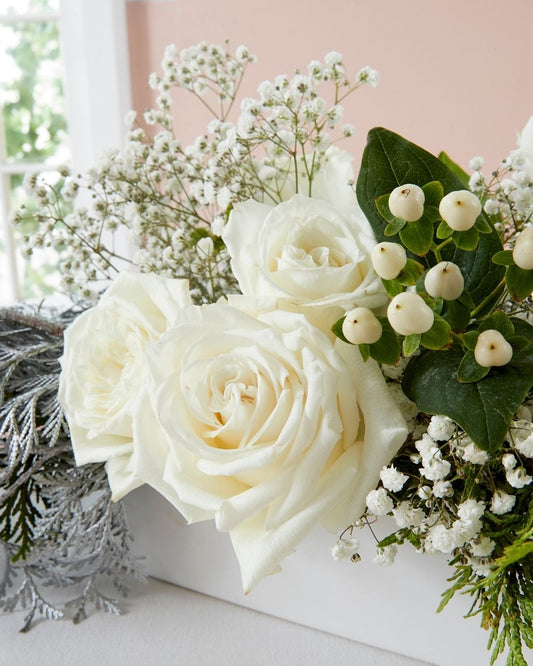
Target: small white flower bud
<point x="409" y="314"/>
<point x="444" y="280"/>
<point x="492" y="349"/>
<point x="388" y="259"/>
<point x="523" y="250"/>
<point x="407" y="202"/>
<point x="460" y="209"/>
<point x="361" y="326"/>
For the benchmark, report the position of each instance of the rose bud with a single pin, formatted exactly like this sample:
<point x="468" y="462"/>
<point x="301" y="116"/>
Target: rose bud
<point x="460" y="209"/>
<point x="388" y="259"/>
<point x="444" y="280"/>
<point x="492" y="349"/>
<point x="408" y="314"/>
<point x="523" y="250"/>
<point x="407" y="202"/>
<point x="361" y="326"/>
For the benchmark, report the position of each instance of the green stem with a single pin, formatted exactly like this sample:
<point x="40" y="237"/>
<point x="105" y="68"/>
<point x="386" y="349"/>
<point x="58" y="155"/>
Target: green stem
<point x="488" y="298"/>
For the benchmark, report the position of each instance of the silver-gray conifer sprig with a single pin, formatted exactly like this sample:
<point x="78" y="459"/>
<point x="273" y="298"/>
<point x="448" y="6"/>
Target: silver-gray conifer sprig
<point x="58" y="525"/>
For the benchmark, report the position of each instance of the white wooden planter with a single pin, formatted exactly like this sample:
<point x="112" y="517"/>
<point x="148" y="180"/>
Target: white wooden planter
<point x="392" y="608"/>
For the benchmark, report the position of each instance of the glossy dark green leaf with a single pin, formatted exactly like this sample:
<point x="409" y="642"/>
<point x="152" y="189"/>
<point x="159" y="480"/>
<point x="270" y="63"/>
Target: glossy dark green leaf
<point x="484" y="409"/>
<point x="458" y="171"/>
<point x="456" y="314"/>
<point x="388" y="161"/>
<point x="519" y="282"/>
<point x="469" y="369"/>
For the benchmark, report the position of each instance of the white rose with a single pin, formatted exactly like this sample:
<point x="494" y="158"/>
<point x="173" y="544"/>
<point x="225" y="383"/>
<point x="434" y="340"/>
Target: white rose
<point x="103" y="368"/>
<point x="303" y="250"/>
<point x="258" y="421"/>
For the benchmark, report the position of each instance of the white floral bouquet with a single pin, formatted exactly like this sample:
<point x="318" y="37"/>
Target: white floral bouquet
<point x="281" y="345"/>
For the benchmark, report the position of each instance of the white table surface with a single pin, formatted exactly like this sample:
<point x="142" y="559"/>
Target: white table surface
<point x="165" y="624"/>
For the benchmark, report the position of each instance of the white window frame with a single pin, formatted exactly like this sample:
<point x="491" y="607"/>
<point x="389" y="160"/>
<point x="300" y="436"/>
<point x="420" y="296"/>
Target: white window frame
<point x="94" y="41"/>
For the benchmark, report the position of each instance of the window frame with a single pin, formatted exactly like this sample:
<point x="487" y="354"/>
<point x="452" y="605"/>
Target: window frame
<point x="94" y="41"/>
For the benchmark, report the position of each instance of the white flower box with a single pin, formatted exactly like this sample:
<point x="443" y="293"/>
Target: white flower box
<point x="392" y="608"/>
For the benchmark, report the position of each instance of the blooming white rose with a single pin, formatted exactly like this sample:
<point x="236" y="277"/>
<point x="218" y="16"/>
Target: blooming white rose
<point x="258" y="421"/>
<point x="303" y="250"/>
<point x="103" y="368"/>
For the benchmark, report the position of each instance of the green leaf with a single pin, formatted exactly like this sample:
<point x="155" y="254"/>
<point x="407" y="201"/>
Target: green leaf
<point x="483" y="409"/>
<point x="411" y="343"/>
<point x="519" y="282"/>
<point x="364" y="350"/>
<point x="337" y="330"/>
<point x="417" y="236"/>
<point x="466" y="240"/>
<point x="503" y="258"/>
<point x="467" y="300"/>
<point x="500" y="322"/>
<point x="456" y="314"/>
<point x="518" y="343"/>
<point x="438" y="336"/>
<point x="470" y="370"/>
<point x="387" y="348"/>
<point x="410" y="273"/>
<point x="388" y="161"/>
<point x="433" y="193"/>
<point x="392" y="287"/>
<point x="457" y="171"/>
<point x="470" y="339"/>
<point x="382" y="204"/>
<point x="444" y="231"/>
<point x="393" y="228"/>
<point x="483" y="225"/>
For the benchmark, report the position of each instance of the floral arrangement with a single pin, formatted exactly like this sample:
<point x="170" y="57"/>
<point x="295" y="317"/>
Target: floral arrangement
<point x="271" y="343"/>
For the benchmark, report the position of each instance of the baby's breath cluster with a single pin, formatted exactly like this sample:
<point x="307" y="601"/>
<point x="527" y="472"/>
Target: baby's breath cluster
<point x="507" y="193"/>
<point x="447" y="495"/>
<point x="161" y="205"/>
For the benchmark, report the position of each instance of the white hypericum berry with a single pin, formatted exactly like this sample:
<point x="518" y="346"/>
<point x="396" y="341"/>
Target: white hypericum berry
<point x="444" y="280"/>
<point x="408" y="314"/>
<point x="361" y="326"/>
<point x="388" y="259"/>
<point x="523" y="250"/>
<point x="460" y="209"/>
<point x="407" y="202"/>
<point x="492" y="349"/>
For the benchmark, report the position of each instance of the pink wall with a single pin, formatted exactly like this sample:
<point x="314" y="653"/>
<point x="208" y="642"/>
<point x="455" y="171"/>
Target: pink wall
<point x="455" y="75"/>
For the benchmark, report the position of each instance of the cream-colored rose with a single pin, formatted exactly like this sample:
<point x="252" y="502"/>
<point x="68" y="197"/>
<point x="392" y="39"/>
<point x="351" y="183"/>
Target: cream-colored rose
<point x="304" y="250"/>
<point x="104" y="368"/>
<point x="258" y="421"/>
